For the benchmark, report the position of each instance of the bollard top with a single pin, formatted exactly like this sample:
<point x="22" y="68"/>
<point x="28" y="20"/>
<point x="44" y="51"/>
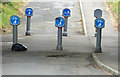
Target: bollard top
<point x="66" y="12"/>
<point x="59" y="22"/>
<point x="14" y="20"/>
<point x="99" y="23"/>
<point x="29" y="12"/>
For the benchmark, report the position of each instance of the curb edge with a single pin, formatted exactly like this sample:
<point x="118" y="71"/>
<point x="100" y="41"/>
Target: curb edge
<point x="105" y="67"/>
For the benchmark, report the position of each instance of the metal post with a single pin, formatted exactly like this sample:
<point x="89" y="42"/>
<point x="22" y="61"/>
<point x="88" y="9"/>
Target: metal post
<point x="96" y="32"/>
<point x="98" y="41"/>
<point x="15" y="34"/>
<point x="28" y="32"/>
<point x="65" y="27"/>
<point x="59" y="44"/>
<point x="96" y="28"/>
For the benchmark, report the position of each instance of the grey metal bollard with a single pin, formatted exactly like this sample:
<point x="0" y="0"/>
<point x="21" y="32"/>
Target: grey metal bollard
<point x="28" y="32"/>
<point x="66" y="13"/>
<point x="98" y="41"/>
<point x="65" y="27"/>
<point x="28" y="13"/>
<point x="96" y="30"/>
<point x="59" y="44"/>
<point x="15" y="21"/>
<point x="59" y="22"/>
<point x="99" y="24"/>
<point x="15" y="34"/>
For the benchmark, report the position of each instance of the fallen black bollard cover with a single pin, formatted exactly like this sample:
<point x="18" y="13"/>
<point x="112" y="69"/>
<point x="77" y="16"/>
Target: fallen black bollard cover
<point x="19" y="47"/>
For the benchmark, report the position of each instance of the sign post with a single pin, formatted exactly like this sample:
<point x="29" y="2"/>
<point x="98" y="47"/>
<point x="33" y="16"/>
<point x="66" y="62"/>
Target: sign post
<point x="15" y="21"/>
<point x="59" y="22"/>
<point x="99" y="24"/>
<point x="66" y="14"/>
<point x="29" y="13"/>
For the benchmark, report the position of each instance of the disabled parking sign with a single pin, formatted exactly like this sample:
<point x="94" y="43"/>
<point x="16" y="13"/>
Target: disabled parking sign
<point x="66" y="12"/>
<point x="99" y="23"/>
<point x="59" y="22"/>
<point x="29" y="11"/>
<point x="14" y="20"/>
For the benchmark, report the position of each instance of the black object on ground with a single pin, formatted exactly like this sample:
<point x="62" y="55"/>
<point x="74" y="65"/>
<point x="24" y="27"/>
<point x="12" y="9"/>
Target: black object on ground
<point x="19" y="47"/>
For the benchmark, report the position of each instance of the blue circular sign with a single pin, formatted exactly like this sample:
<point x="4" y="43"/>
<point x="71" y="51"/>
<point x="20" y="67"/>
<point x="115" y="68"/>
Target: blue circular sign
<point x="29" y="11"/>
<point x="66" y="12"/>
<point x="14" y="20"/>
<point x="99" y="23"/>
<point x="59" y="22"/>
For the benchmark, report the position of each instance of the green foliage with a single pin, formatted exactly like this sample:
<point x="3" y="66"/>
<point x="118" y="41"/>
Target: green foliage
<point x="0" y="19"/>
<point x="9" y="9"/>
<point x="114" y="5"/>
<point x="6" y="3"/>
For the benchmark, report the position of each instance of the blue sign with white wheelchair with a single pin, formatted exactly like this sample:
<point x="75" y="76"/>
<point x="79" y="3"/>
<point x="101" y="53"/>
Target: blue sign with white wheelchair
<point x="29" y="11"/>
<point x="66" y="12"/>
<point x="99" y="23"/>
<point x="59" y="22"/>
<point x="14" y="20"/>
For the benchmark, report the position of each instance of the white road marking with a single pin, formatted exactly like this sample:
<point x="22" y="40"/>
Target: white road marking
<point x="83" y="18"/>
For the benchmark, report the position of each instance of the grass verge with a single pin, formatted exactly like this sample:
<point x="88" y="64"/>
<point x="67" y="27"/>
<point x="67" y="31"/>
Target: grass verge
<point x="113" y="6"/>
<point x="8" y="9"/>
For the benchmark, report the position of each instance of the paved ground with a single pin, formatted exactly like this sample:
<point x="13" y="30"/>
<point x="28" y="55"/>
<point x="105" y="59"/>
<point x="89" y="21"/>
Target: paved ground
<point x="110" y="42"/>
<point x="75" y="59"/>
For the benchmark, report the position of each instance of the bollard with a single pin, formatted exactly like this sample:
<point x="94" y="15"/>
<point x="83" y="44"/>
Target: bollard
<point x="98" y="41"/>
<point x="29" y="13"/>
<point x="65" y="27"/>
<point x="99" y="24"/>
<point x="15" y="21"/>
<point x="96" y="32"/>
<point x="66" y="14"/>
<point x="15" y="34"/>
<point x="59" y="45"/>
<point x="59" y="22"/>
<point x="28" y="25"/>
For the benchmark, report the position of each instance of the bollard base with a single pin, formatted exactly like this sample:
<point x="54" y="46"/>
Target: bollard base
<point x="98" y="50"/>
<point x="59" y="48"/>
<point x="28" y="33"/>
<point x="65" y="34"/>
<point x="19" y="47"/>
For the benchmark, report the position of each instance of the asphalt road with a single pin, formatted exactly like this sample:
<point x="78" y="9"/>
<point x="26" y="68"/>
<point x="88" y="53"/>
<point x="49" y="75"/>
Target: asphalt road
<point x="41" y="57"/>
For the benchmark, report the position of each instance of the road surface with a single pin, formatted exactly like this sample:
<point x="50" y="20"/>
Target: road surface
<point x="41" y="57"/>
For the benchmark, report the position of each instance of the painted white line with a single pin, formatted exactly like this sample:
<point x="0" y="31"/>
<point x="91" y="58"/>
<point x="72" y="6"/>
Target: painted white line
<point x="83" y="18"/>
